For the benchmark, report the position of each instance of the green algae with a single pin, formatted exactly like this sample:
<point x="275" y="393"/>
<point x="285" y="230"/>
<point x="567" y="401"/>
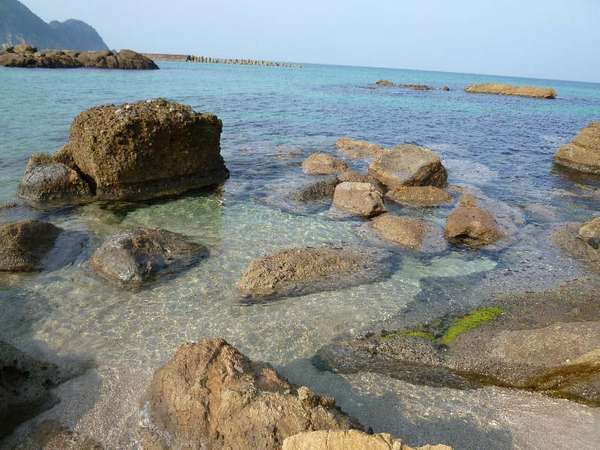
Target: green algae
<point x="410" y="333"/>
<point x="472" y="320"/>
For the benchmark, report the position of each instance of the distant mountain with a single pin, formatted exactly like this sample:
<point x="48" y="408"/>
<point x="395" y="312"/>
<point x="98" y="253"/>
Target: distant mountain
<point x="19" y="25"/>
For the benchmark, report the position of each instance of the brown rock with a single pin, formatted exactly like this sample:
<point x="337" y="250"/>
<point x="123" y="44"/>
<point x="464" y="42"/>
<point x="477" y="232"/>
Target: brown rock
<point x="471" y="225"/>
<point x="300" y="271"/>
<point x="568" y="238"/>
<point x="406" y="231"/>
<point x="355" y="177"/>
<point x="349" y="440"/>
<point x="419" y="196"/>
<point x="409" y="165"/>
<point x="506" y="89"/>
<point x="583" y="153"/>
<point x="209" y="395"/>
<point x="358" y="149"/>
<point x="24" y="244"/>
<point x="362" y="199"/>
<point x="385" y="83"/>
<point x="590" y="233"/>
<point x="323" y="164"/>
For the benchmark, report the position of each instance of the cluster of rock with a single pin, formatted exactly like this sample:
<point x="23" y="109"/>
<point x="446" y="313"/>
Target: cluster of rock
<point x="412" y="86"/>
<point x="507" y="89"/>
<point x="243" y="62"/>
<point x="29" y="57"/>
<point x="583" y="153"/>
<point x="128" y="152"/>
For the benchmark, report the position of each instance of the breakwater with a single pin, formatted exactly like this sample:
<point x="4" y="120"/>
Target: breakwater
<point x="214" y="60"/>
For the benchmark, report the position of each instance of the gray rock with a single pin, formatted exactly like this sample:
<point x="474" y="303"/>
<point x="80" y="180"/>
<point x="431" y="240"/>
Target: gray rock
<point x="134" y="257"/>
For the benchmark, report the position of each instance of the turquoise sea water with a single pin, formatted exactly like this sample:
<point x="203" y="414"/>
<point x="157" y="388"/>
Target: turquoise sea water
<point x="499" y="147"/>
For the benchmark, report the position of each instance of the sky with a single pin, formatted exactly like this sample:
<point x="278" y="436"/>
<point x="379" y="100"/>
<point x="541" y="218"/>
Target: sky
<point x="551" y="39"/>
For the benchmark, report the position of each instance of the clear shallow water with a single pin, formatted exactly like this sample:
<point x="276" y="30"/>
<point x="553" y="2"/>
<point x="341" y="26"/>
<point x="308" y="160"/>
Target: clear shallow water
<point x="273" y="118"/>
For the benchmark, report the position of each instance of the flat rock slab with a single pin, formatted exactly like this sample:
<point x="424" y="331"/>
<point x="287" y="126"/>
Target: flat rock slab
<point x="301" y="271"/>
<point x="569" y="240"/>
<point x="583" y="153"/>
<point x="209" y="395"/>
<point x="133" y="258"/>
<point x="24" y="244"/>
<point x="409" y="165"/>
<point x="420" y="196"/>
<point x="507" y="89"/>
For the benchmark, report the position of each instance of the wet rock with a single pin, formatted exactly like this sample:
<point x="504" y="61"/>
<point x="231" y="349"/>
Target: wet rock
<point x="134" y="257"/>
<point x="349" y="440"/>
<point x="583" y="153"/>
<point x="409" y="232"/>
<point x="24" y="387"/>
<point x="323" y="164"/>
<point x="134" y="152"/>
<point x="51" y="435"/>
<point x="569" y="239"/>
<point x="470" y="225"/>
<point x="24" y="244"/>
<point x="29" y="57"/>
<point x="409" y="165"/>
<point x="445" y="89"/>
<point x="47" y="183"/>
<point x="425" y="196"/>
<point x="590" y="233"/>
<point x="506" y="89"/>
<point x="301" y="271"/>
<point x="356" y="177"/>
<point x="318" y="190"/>
<point x="358" y="198"/>
<point x="413" y="86"/>
<point x="547" y="342"/>
<point x="356" y="149"/>
<point x="385" y="83"/>
<point x="209" y="395"/>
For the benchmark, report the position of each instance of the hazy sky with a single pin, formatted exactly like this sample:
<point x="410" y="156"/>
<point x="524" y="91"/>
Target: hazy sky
<point x="558" y="39"/>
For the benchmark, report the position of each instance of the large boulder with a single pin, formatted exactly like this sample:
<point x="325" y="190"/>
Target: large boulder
<point x="583" y="153"/>
<point x="24" y="244"/>
<point x="132" y="152"/>
<point x="589" y="232"/>
<point x="349" y="440"/>
<point x="209" y="395"/>
<point x="507" y="89"/>
<point x="425" y="196"/>
<point x="409" y="165"/>
<point x="24" y="387"/>
<point x="323" y="164"/>
<point x="547" y="341"/>
<point x="362" y="199"/>
<point x="471" y="225"/>
<point x="300" y="271"/>
<point x="29" y="57"/>
<point x="134" y="257"/>
<point x="356" y="149"/>
<point x="47" y="182"/>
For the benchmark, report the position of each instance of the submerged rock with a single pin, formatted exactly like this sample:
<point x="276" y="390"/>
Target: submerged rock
<point x="209" y="395"/>
<point x="413" y="86"/>
<point x="130" y="152"/>
<point x="470" y="225"/>
<point x="134" y="257"/>
<point x="356" y="149"/>
<point x="362" y="199"/>
<point x="301" y="271"/>
<point x="323" y="164"/>
<point x="507" y="89"/>
<point x="24" y="244"/>
<point x="583" y="153"/>
<point x="356" y="177"/>
<point x="349" y="440"/>
<point x="318" y="190"/>
<point x="29" y="57"/>
<point x="419" y="196"/>
<point x="409" y="232"/>
<point x="47" y="182"/>
<point x="579" y="242"/>
<point x="409" y="165"/>
<point x="385" y="83"/>
<point x="51" y="435"/>
<point x="548" y="342"/>
<point x="24" y="387"/>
